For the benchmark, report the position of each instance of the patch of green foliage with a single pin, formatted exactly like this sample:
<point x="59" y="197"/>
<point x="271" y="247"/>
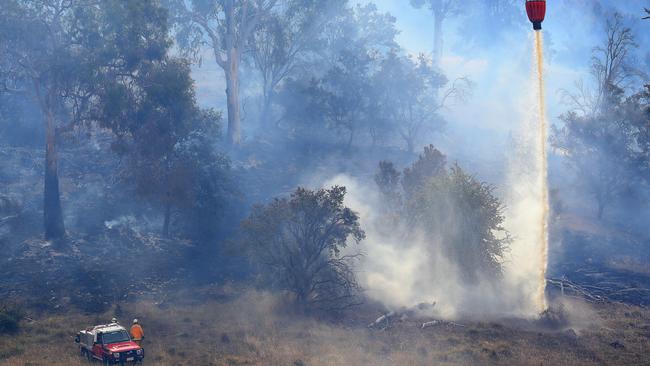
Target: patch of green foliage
<point x="458" y="215"/>
<point x="298" y="242"/>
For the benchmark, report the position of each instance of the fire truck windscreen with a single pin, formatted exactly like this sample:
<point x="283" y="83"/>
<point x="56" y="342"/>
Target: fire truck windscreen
<point x="115" y="337"/>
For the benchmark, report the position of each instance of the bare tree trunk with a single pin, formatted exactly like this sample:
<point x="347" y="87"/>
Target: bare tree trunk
<point x="350" y="140"/>
<point x="437" y="38"/>
<point x="168" y="214"/>
<point x="232" y="76"/>
<point x="228" y="36"/>
<point x="232" y="92"/>
<point x="52" y="212"/>
<point x="439" y="18"/>
<point x="266" y="116"/>
<point x="375" y="137"/>
<point x="410" y="145"/>
<point x="601" y="209"/>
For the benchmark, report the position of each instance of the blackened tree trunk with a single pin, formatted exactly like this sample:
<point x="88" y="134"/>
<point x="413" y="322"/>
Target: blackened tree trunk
<point x="52" y="212"/>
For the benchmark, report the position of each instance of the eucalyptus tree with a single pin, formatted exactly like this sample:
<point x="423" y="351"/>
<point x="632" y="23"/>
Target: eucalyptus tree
<point x="600" y="134"/>
<point x="453" y="212"/>
<point x="287" y="41"/>
<point x="167" y="143"/>
<point x="224" y="27"/>
<point x="299" y="243"/>
<point x="407" y="91"/>
<point x="502" y="17"/>
<point x="61" y="53"/>
<point x="341" y="94"/>
<point x="441" y="11"/>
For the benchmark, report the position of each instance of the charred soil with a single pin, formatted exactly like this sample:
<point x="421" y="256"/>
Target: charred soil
<point x="231" y="325"/>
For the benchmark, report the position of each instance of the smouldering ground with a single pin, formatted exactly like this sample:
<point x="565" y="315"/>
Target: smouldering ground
<point x="216" y="327"/>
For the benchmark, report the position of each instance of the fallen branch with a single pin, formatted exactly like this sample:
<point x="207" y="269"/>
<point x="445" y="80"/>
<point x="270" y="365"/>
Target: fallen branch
<point x="429" y="324"/>
<point x="566" y="285"/>
<point x="7" y="218"/>
<point x="382" y="319"/>
<point x="441" y="322"/>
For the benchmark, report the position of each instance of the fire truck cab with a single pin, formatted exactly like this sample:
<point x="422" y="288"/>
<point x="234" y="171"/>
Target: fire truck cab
<point x="109" y="343"/>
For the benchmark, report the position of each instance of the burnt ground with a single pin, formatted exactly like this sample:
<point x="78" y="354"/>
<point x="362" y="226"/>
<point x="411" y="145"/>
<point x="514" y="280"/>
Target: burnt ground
<point x="605" y="283"/>
<point x="602" y="261"/>
<point x="231" y="325"/>
<point x="129" y="270"/>
<point x="89" y="273"/>
<point x="64" y="287"/>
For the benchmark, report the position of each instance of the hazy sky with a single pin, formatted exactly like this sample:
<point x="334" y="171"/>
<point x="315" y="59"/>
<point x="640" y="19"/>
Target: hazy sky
<point x="501" y="69"/>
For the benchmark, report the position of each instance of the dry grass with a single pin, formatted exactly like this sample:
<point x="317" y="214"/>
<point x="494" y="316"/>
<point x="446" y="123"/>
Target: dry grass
<point x="216" y="327"/>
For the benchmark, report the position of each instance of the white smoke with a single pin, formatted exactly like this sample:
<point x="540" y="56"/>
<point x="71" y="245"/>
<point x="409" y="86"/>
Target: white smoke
<point x="125" y="220"/>
<point x="527" y="196"/>
<point x="404" y="274"/>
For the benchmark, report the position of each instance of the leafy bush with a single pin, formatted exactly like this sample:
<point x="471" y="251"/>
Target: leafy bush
<point x="430" y="164"/>
<point x="468" y="220"/>
<point x="460" y="216"/>
<point x="297" y="242"/>
<point x="10" y="317"/>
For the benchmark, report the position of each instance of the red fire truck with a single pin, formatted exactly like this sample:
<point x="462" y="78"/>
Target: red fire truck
<point x="110" y="344"/>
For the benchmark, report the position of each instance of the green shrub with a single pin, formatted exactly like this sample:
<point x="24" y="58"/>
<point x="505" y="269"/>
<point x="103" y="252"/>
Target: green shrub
<point x="458" y="214"/>
<point x="10" y="317"/>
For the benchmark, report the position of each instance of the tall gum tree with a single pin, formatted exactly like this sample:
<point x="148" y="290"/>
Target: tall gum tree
<point x="64" y="54"/>
<point x="287" y="41"/>
<point x="36" y="41"/>
<point x="224" y="26"/>
<point x="597" y="136"/>
<point x="441" y="11"/>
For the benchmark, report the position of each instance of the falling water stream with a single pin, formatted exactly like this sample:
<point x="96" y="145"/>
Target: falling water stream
<point x="543" y="164"/>
<point x="401" y="276"/>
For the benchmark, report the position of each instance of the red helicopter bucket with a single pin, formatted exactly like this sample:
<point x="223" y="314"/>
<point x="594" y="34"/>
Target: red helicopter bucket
<point x="536" y="10"/>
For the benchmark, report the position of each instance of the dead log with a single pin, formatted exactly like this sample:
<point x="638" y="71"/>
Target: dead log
<point x="382" y="319"/>
<point x="440" y="322"/>
<point x="429" y="324"/>
<point x="569" y="288"/>
<point x="7" y="218"/>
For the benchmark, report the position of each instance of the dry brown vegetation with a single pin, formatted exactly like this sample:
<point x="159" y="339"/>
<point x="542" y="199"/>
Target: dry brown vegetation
<point x="216" y="326"/>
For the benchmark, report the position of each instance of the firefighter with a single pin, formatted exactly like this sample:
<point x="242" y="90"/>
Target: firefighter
<point x="137" y="333"/>
<point x="114" y="321"/>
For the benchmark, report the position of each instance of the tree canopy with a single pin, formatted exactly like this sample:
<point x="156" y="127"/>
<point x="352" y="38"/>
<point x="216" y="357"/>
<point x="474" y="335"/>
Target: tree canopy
<point x="301" y="245"/>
